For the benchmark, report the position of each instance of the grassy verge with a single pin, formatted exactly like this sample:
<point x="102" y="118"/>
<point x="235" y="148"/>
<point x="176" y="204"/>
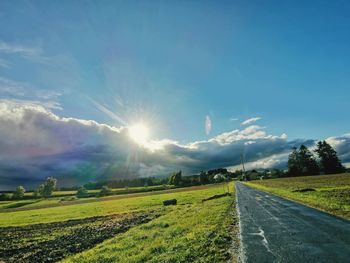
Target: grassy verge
<point x="192" y="232"/>
<point x="330" y="193"/>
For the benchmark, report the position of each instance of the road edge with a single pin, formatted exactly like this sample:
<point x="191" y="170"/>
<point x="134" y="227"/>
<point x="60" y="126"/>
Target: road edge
<point x="241" y="252"/>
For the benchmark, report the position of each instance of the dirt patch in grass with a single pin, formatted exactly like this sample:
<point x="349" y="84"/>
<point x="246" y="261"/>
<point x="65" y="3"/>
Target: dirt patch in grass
<point x="54" y="241"/>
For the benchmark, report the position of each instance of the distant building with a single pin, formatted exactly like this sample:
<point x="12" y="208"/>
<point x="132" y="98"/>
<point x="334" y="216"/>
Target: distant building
<point x="219" y="177"/>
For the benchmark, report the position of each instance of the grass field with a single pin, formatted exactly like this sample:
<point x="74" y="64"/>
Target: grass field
<point x="54" y="201"/>
<point x="132" y="229"/>
<point x="330" y="193"/>
<point x="116" y="191"/>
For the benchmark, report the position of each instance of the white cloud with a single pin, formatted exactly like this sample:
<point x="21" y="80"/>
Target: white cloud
<point x="10" y="87"/>
<point x="4" y="63"/>
<point x="284" y="136"/>
<point x="250" y="120"/>
<point x="18" y="49"/>
<point x="22" y="92"/>
<point x="33" y="54"/>
<point x="273" y="161"/>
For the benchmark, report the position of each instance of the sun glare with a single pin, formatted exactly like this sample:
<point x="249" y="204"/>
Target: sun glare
<point x="139" y="133"/>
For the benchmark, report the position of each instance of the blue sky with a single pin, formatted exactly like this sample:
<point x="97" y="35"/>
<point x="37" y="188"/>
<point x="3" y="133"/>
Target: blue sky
<point x="211" y="79"/>
<point x="172" y="63"/>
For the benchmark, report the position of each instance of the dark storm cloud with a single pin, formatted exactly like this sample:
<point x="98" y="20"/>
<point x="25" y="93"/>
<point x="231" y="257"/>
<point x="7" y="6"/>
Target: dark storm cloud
<point x="35" y="143"/>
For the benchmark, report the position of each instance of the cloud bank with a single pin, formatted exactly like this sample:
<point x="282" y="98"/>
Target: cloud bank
<point x="36" y="143"/>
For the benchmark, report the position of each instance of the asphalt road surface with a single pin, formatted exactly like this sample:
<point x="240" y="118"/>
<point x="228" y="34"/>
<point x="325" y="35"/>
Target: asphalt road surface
<point x="274" y="229"/>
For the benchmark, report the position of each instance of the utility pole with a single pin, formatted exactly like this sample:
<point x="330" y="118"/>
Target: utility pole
<point x="243" y="174"/>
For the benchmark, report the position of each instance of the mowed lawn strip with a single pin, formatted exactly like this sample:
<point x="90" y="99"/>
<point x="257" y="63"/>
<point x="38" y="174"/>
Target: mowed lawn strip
<point x="332" y="192"/>
<point x="106" y="207"/>
<point x="192" y="232"/>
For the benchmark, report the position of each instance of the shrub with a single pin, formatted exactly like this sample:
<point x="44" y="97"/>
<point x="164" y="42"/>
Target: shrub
<point x="105" y="190"/>
<point x="48" y="187"/>
<point x="37" y="193"/>
<point x="68" y="198"/>
<point x="82" y="192"/>
<point x="19" y="193"/>
<point x="5" y="196"/>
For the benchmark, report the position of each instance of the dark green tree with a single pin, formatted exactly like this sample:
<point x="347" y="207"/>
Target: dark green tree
<point x="329" y="161"/>
<point x="48" y="187"/>
<point x="5" y="196"/>
<point x="294" y="168"/>
<point x="203" y="178"/>
<point x="37" y="192"/>
<point x="105" y="190"/>
<point x="307" y="161"/>
<point x="19" y="192"/>
<point x="82" y="192"/>
<point x="176" y="179"/>
<point x="302" y="162"/>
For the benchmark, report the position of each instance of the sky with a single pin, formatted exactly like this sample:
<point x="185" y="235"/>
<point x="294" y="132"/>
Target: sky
<point x="209" y="80"/>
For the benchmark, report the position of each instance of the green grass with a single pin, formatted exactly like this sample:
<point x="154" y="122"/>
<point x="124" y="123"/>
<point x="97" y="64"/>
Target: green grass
<point x="116" y="191"/>
<point x="104" y="207"/>
<point x="192" y="232"/>
<point x="332" y="192"/>
<point x="66" y="199"/>
<point x="62" y="196"/>
<point x="31" y="203"/>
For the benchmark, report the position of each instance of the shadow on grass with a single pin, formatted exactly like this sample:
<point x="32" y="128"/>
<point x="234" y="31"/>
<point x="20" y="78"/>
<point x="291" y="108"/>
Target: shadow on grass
<point x="20" y="204"/>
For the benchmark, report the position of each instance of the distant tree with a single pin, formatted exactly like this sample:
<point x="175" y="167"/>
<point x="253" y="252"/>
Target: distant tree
<point x="294" y="168"/>
<point x="302" y="162"/>
<point x="276" y="173"/>
<point x="105" y="190"/>
<point x="307" y="161"/>
<point x="19" y="192"/>
<point x="37" y="192"/>
<point x="203" y="178"/>
<point x="176" y="179"/>
<point x="82" y="192"/>
<point x="48" y="187"/>
<point x="329" y="161"/>
<point x="5" y="196"/>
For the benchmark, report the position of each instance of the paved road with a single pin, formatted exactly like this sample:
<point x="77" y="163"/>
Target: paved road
<point x="274" y="229"/>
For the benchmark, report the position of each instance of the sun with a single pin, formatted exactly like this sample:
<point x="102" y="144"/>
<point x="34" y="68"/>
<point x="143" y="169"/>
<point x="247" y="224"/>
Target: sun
<point x="139" y="133"/>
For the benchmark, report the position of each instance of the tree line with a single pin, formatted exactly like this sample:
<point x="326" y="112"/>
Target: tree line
<point x="324" y="160"/>
<point x="301" y="162"/>
<point x="44" y="190"/>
